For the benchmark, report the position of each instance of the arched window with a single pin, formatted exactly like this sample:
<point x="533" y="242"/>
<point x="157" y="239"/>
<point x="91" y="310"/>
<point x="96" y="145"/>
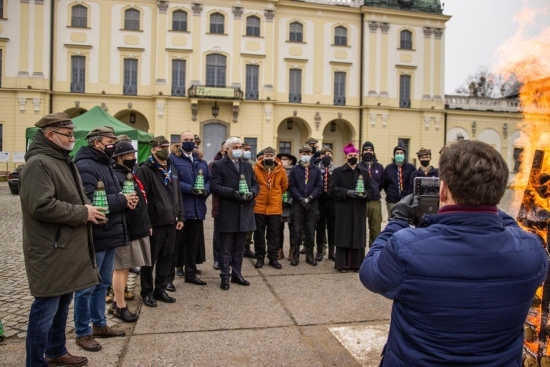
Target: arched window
<point x="217" y="23"/>
<point x="406" y="40"/>
<point x="215" y="70"/>
<point x="179" y="20"/>
<point x="296" y="32"/>
<point x="79" y="16"/>
<point x="341" y="36"/>
<point x="131" y="20"/>
<point x="253" y="26"/>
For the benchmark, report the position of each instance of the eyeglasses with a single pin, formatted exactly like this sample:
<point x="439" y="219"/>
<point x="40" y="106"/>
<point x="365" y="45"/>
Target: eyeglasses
<point x="69" y="136"/>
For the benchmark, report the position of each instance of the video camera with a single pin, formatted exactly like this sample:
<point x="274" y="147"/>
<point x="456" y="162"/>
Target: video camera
<point x="427" y="189"/>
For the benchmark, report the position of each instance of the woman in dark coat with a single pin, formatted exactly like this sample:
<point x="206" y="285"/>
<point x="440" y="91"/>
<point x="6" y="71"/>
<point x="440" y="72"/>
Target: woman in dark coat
<point x="351" y="221"/>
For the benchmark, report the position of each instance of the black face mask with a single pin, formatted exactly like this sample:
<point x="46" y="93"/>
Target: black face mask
<point x="352" y="161"/>
<point x="326" y="161"/>
<point x="425" y="163"/>
<point x="188" y="146"/>
<point x="109" y="150"/>
<point x="313" y="150"/>
<point x="130" y="163"/>
<point x="268" y="162"/>
<point x="367" y="157"/>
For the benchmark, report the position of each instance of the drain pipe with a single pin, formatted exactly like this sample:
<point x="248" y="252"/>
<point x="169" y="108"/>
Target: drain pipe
<point x="52" y="18"/>
<point x="361" y="78"/>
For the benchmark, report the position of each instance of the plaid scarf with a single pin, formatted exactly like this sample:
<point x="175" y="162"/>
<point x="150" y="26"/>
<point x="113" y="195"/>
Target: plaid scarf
<point x="167" y="175"/>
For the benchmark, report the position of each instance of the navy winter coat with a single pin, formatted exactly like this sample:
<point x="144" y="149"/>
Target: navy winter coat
<point x="297" y="187"/>
<point x="376" y="173"/>
<point x="390" y="182"/>
<point x="93" y="166"/>
<point x="194" y="206"/>
<point x="432" y="172"/>
<point x="461" y="288"/>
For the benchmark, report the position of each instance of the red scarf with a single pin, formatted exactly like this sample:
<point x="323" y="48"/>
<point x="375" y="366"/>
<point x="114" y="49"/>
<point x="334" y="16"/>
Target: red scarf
<point x="141" y="187"/>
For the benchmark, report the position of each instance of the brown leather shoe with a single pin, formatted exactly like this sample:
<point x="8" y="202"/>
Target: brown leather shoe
<point x="106" y="332"/>
<point x="281" y="254"/>
<point x="67" y="360"/>
<point x="88" y="343"/>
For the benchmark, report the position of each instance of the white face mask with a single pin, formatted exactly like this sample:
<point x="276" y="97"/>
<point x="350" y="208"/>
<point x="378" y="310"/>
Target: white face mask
<point x="237" y="153"/>
<point x="306" y="158"/>
<point x="247" y="154"/>
<point x="68" y="147"/>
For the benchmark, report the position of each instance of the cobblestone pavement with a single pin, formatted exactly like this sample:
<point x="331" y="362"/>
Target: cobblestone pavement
<point x="15" y="299"/>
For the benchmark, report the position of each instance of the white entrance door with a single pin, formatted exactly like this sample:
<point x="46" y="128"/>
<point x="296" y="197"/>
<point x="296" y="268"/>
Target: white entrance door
<point x="214" y="135"/>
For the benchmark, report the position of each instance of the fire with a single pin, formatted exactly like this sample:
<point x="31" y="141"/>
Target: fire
<point x="527" y="58"/>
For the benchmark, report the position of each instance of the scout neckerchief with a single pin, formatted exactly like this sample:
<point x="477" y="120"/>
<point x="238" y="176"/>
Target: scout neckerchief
<point x="400" y="178"/>
<point x="140" y="187"/>
<point x="167" y="175"/>
<point x="326" y="179"/>
<point x="269" y="174"/>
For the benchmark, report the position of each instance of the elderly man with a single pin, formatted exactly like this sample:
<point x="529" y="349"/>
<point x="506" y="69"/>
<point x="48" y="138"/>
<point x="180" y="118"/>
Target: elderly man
<point x="463" y="280"/>
<point x="160" y="180"/>
<point x="59" y="254"/>
<point x="235" y="184"/>
<point x="93" y="162"/>
<point x="190" y="249"/>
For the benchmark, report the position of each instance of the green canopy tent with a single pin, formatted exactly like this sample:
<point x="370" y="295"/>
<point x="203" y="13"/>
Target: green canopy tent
<point x="95" y="118"/>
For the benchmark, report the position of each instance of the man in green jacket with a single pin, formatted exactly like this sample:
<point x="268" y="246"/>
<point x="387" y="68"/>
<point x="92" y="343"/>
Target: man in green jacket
<point x="57" y="239"/>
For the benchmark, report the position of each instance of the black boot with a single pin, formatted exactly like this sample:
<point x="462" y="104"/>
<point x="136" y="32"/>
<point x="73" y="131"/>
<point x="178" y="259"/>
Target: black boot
<point x="319" y="255"/>
<point x="331" y="255"/>
<point x="125" y="315"/>
<point x="295" y="256"/>
<point x="309" y="257"/>
<point x="249" y="253"/>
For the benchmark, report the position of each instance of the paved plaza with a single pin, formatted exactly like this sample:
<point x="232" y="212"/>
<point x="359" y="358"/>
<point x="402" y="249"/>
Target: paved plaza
<point x="296" y="316"/>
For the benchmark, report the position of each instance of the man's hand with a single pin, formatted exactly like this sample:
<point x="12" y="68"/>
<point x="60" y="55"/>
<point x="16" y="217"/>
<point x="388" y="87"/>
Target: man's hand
<point x="305" y="203"/>
<point x="131" y="200"/>
<point x="195" y="192"/>
<point x="179" y="226"/>
<point x="151" y="231"/>
<point x="95" y="214"/>
<point x="249" y="196"/>
<point x="407" y="209"/>
<point x="238" y="196"/>
<point x="352" y="194"/>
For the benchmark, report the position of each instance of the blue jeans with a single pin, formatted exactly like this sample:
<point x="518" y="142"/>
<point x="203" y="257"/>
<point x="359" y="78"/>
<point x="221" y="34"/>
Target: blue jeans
<point x="46" y="331"/>
<point x="89" y="303"/>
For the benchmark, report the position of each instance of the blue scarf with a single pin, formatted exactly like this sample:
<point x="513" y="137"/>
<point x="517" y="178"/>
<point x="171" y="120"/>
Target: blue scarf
<point x="167" y="175"/>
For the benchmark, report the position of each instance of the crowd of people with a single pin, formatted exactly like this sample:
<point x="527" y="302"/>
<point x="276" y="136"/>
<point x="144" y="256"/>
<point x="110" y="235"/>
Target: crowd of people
<point x="157" y="226"/>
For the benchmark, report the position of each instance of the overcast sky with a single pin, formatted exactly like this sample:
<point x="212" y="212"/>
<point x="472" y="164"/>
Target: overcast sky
<point x="476" y="30"/>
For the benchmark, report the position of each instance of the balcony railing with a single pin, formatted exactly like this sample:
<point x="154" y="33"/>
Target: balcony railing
<point x="339" y="101"/>
<point x="129" y="90"/>
<point x="404" y="103"/>
<point x="252" y="94"/>
<point x="295" y="98"/>
<point x="482" y="104"/>
<point x="78" y="87"/>
<point x="178" y="91"/>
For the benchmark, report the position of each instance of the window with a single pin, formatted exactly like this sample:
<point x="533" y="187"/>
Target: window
<point x="295" y="87"/>
<point x="1" y="137"/>
<point x="339" y="88"/>
<point x="405" y="91"/>
<point x="252" y="76"/>
<point x="215" y="70"/>
<point x="78" y="74"/>
<point x="406" y="40"/>
<point x="178" y="78"/>
<point x="253" y="146"/>
<point x="285" y="147"/>
<point x="405" y="144"/>
<point x="1" y="58"/>
<point x="217" y="23"/>
<point x="131" y="20"/>
<point x="174" y="139"/>
<point x="1" y="9"/>
<point x="296" y="32"/>
<point x="253" y="26"/>
<point x="130" y="77"/>
<point x="79" y="16"/>
<point x="516" y="157"/>
<point x="341" y="36"/>
<point x="179" y="20"/>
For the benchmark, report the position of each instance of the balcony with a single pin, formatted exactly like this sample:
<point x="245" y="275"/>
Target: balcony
<point x="404" y="103"/>
<point x="295" y="98"/>
<point x="252" y="94"/>
<point x="129" y="90"/>
<point x="482" y="104"/>
<point x="178" y="91"/>
<point x="78" y="87"/>
<point x="202" y="91"/>
<point x="339" y="100"/>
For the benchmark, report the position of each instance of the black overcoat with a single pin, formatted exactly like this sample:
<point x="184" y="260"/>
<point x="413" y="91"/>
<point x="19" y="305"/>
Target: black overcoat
<point x="351" y="214"/>
<point x="233" y="215"/>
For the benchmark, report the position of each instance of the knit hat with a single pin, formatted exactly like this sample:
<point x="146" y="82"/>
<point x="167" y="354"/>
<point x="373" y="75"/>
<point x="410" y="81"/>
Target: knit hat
<point x="350" y="148"/>
<point x="367" y="145"/>
<point x="423" y="151"/>
<point x="399" y="147"/>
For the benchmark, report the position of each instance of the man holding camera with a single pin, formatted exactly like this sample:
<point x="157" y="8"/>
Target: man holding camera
<point x="463" y="280"/>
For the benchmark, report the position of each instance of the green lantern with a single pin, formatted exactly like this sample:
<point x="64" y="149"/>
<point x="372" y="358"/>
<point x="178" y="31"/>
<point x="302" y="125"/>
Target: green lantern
<point x="100" y="198"/>
<point x="286" y="197"/>
<point x="243" y="187"/>
<point x="128" y="187"/>
<point x="199" y="182"/>
<point x="360" y="187"/>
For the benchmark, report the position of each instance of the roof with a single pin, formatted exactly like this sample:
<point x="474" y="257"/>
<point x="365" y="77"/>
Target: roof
<point x="427" y="6"/>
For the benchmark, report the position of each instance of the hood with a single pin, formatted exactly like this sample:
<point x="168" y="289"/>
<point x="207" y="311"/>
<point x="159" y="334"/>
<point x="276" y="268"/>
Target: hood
<point x="88" y="152"/>
<point x="41" y="145"/>
<point x="218" y="156"/>
<point x="175" y="149"/>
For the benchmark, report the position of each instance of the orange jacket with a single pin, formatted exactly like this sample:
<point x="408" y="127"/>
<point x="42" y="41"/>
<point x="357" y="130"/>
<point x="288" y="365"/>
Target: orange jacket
<point x="270" y="199"/>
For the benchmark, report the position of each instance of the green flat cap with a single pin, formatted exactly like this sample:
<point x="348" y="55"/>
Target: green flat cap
<point x="424" y="151"/>
<point x="197" y="139"/>
<point x="269" y="150"/>
<point x="311" y="140"/>
<point x="305" y="149"/>
<point x="102" y="131"/>
<point x="159" y="140"/>
<point x="57" y="119"/>
<point x="123" y="137"/>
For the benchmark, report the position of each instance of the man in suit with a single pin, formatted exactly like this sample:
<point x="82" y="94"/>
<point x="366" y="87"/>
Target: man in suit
<point x="236" y="207"/>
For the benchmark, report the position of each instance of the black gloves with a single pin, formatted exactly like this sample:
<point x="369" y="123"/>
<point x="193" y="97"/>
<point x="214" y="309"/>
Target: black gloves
<point x="353" y="195"/>
<point x="408" y="210"/>
<point x="238" y="197"/>
<point x="305" y="203"/>
<point x="249" y="196"/>
<point x="195" y="192"/>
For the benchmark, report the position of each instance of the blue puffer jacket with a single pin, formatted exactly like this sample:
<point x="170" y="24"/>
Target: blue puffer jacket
<point x="93" y="166"/>
<point x="194" y="206"/>
<point x="461" y="288"/>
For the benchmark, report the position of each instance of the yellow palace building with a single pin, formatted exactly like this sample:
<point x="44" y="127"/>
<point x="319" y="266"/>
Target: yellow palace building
<point x="273" y="72"/>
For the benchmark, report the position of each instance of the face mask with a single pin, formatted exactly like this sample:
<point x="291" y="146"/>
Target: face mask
<point x="313" y="149"/>
<point x="268" y="162"/>
<point x="130" y="163"/>
<point x="68" y="147"/>
<point x="326" y="161"/>
<point x="109" y="149"/>
<point x="306" y="158"/>
<point x="247" y="154"/>
<point x="237" y="153"/>
<point x="352" y="161"/>
<point x="400" y="158"/>
<point x="188" y="146"/>
<point x="162" y="154"/>
<point x="425" y="163"/>
<point x="367" y="157"/>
